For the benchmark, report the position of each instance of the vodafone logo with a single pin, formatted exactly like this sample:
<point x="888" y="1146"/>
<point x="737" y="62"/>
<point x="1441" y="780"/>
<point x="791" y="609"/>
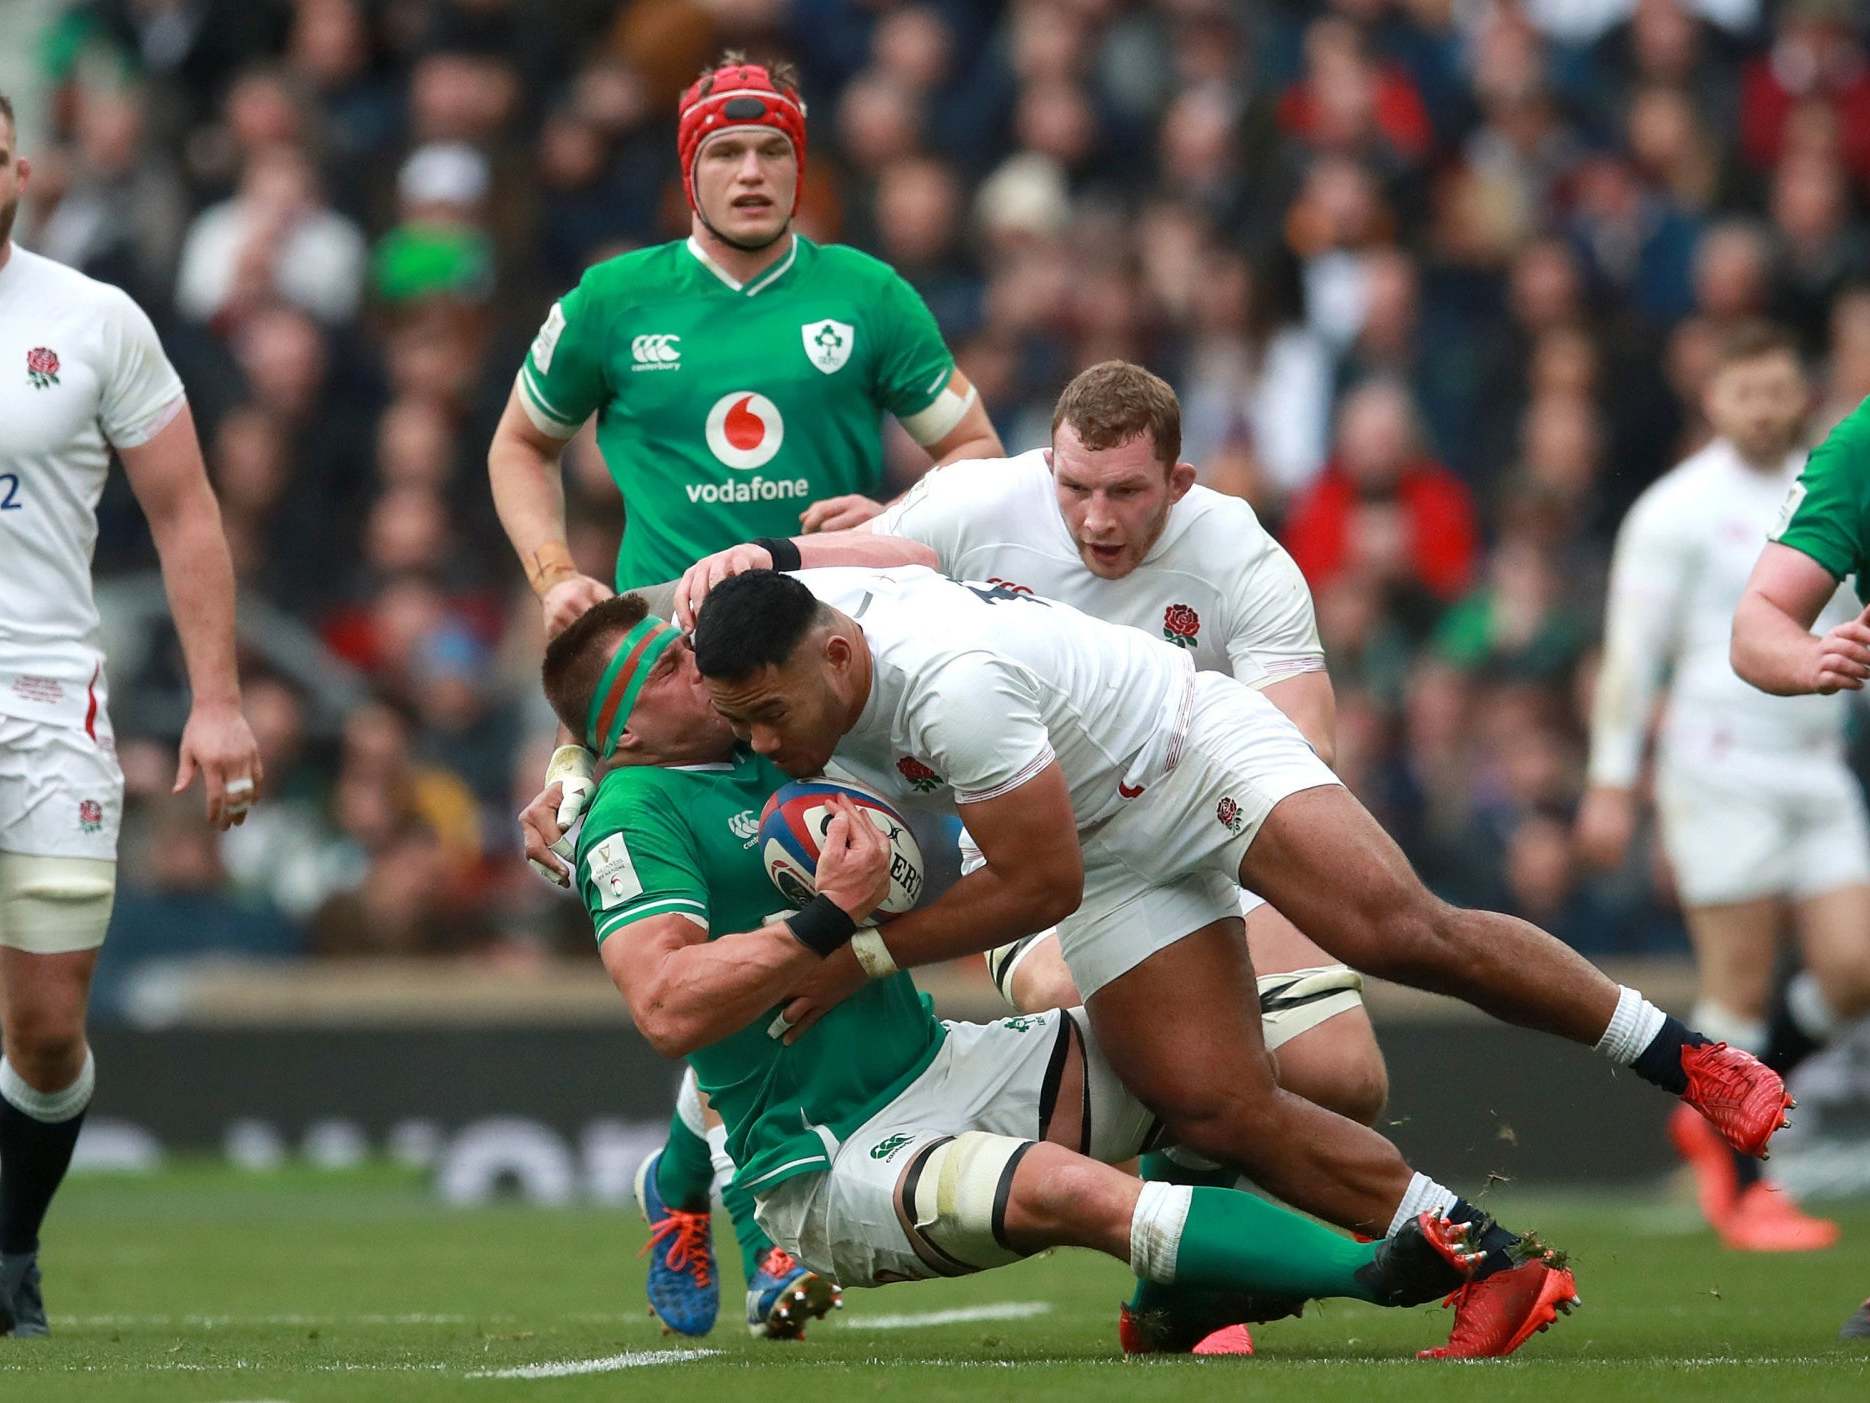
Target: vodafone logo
<point x="745" y="430"/>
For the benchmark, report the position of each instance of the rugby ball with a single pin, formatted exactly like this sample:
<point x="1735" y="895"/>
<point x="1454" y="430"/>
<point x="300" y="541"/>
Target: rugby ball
<point x="794" y="822"/>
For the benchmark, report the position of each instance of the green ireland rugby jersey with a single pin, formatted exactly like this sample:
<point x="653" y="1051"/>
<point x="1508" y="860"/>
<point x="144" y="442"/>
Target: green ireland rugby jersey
<point x="682" y="840"/>
<point x="724" y="409"/>
<point x="1827" y="513"/>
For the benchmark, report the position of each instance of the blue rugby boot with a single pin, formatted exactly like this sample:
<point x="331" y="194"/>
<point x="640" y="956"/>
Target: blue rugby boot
<point x="785" y="1295"/>
<point x="684" y="1287"/>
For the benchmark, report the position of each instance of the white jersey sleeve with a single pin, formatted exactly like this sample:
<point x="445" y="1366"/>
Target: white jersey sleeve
<point x="1651" y="574"/>
<point x="946" y="508"/>
<point x="1275" y="629"/>
<point x="979" y="723"/>
<point x="140" y="392"/>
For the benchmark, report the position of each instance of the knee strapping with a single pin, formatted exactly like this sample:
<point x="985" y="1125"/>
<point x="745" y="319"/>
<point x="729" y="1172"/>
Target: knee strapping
<point x="957" y="1194"/>
<point x="1298" y="1000"/>
<point x="55" y="905"/>
<point x="1004" y="960"/>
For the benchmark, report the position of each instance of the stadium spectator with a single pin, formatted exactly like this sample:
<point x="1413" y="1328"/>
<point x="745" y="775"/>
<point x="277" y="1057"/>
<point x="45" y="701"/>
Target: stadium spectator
<point x="1383" y="510"/>
<point x="274" y="240"/>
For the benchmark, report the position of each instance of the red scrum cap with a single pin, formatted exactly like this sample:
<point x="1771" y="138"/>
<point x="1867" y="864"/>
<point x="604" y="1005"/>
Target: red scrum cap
<point x="733" y="97"/>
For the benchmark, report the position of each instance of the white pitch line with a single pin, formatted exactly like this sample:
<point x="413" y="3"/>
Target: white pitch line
<point x="609" y="1364"/>
<point x="210" y="1322"/>
<point x="961" y="1315"/>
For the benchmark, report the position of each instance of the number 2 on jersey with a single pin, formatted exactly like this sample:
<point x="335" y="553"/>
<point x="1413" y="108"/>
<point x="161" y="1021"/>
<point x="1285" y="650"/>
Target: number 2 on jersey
<point x="9" y="493"/>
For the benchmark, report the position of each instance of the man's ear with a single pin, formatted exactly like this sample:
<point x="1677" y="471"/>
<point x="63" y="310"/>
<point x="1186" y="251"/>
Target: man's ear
<point x="1181" y="478"/>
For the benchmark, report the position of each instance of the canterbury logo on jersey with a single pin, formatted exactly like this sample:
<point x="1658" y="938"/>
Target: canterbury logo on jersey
<point x="661" y="351"/>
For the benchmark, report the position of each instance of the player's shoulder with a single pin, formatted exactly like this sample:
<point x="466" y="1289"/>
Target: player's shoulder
<point x="629" y="796"/>
<point x="68" y="287"/>
<point x="1685" y="495"/>
<point x="1215" y="535"/>
<point x="632" y="272"/>
<point x="844" y="258"/>
<point x="853" y="267"/>
<point x="1848" y="440"/>
<point x="1204" y="511"/>
<point x="990" y="478"/>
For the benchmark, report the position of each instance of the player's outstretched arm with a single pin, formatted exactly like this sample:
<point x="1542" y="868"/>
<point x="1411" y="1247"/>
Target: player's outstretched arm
<point x="686" y="991"/>
<point x="1773" y="646"/>
<point x="171" y="485"/>
<point x="529" y="496"/>
<point x="859" y="548"/>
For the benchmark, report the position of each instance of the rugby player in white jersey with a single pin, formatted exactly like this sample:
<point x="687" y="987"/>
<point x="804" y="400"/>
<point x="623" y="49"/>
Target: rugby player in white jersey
<point x="1759" y="813"/>
<point x="81" y="373"/>
<point x="1118" y="794"/>
<point x="1122" y="532"/>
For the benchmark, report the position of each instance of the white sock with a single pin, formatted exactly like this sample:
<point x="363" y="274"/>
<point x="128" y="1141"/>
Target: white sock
<point x="1423" y="1195"/>
<point x="1810" y="1010"/>
<point x="723" y="1162"/>
<point x="49" y="1107"/>
<point x="1633" y="1027"/>
<point x="1156" y="1230"/>
<point x="688" y="1104"/>
<point x="1722" y="1024"/>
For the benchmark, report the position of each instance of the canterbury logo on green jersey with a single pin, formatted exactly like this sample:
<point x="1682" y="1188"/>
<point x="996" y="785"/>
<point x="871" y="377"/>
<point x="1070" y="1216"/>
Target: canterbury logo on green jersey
<point x="656" y="352"/>
<point x="883" y="1149"/>
<point x="745" y="826"/>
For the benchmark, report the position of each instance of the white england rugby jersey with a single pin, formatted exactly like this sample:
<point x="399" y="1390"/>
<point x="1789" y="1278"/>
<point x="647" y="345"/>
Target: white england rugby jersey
<point x="977" y="687"/>
<point x="81" y="371"/>
<point x="1683" y="557"/>
<point x="1215" y="584"/>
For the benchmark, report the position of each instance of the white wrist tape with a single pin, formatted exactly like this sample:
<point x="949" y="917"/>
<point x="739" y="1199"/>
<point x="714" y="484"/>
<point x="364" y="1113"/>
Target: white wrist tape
<point x="867" y="945"/>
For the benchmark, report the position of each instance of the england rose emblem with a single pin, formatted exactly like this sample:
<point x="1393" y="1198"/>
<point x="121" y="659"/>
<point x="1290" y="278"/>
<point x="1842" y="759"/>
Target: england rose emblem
<point x="1228" y="813"/>
<point x="1180" y="625"/>
<point x="42" y="367"/>
<point x="90" y="815"/>
<point x="920" y="776"/>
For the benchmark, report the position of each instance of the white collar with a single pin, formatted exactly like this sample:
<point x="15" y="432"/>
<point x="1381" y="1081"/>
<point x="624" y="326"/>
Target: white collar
<point x="758" y="284"/>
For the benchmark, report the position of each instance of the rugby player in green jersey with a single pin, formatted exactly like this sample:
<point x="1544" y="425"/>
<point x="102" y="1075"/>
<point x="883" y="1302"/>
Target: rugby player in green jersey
<point x="739" y="378"/>
<point x="883" y="1144"/>
<point x="1822" y="539"/>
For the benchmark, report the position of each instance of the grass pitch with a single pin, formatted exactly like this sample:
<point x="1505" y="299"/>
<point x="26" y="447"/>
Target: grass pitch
<point x="204" y="1286"/>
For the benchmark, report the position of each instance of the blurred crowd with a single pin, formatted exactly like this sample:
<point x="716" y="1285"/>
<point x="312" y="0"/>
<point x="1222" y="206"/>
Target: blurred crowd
<point x="1437" y="280"/>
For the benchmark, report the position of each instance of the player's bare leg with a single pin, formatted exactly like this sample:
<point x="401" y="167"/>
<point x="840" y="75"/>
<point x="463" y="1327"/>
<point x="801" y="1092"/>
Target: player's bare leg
<point x="1335" y="1063"/>
<point x="1322" y="859"/>
<point x="45" y="1086"/>
<point x="1235" y="1111"/>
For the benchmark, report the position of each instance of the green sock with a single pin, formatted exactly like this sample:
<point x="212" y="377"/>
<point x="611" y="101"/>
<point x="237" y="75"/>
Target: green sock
<point x="754" y="1244"/>
<point x="1158" y="1167"/>
<point x="1241" y="1242"/>
<point x="685" y="1177"/>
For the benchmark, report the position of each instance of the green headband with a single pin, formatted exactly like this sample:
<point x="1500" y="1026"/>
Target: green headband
<point x="617" y="690"/>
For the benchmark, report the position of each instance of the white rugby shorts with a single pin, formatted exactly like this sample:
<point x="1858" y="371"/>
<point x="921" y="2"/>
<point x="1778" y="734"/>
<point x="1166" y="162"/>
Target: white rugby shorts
<point x="1169" y="863"/>
<point x="990" y="1077"/>
<point x="61" y="791"/>
<point x="1762" y="825"/>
